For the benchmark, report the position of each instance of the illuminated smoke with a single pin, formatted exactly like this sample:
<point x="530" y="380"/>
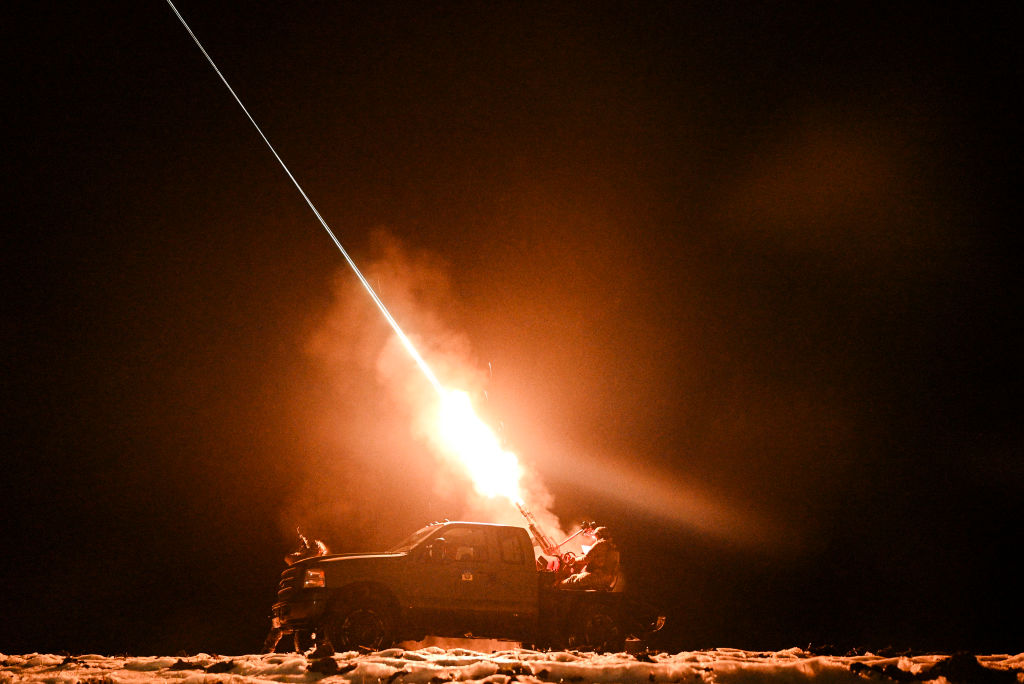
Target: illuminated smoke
<point x="493" y="469"/>
<point x="472" y="465"/>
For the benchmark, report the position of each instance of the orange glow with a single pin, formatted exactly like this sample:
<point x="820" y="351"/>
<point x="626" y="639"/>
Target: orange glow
<point x="493" y="470"/>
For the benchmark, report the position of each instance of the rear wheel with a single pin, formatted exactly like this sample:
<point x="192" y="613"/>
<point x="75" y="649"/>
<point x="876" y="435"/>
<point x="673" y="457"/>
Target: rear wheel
<point x="598" y="630"/>
<point x="360" y="627"/>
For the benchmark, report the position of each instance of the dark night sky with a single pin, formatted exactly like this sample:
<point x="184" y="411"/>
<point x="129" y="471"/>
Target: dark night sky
<point x="758" y="257"/>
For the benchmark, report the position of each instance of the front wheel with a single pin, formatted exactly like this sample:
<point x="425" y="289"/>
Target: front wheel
<point x="362" y="627"/>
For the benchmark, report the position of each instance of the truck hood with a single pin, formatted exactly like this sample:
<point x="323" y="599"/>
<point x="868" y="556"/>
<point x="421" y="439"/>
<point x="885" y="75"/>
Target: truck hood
<point x="345" y="568"/>
<point x="342" y="557"/>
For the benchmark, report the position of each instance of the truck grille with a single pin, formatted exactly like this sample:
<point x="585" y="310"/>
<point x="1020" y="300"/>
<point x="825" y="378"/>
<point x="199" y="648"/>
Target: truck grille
<point x="291" y="583"/>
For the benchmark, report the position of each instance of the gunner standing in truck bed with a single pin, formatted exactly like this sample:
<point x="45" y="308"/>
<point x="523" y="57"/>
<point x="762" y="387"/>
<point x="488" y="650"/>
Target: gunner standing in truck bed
<point x="600" y="567"/>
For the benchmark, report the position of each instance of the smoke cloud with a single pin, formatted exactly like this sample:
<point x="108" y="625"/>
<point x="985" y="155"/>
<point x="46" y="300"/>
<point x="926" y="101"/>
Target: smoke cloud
<point x="375" y="473"/>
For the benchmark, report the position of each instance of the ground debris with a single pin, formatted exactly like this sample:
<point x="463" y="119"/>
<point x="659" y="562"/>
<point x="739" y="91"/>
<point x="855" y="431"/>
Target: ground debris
<point x="435" y="665"/>
<point x="515" y="670"/>
<point x="965" y="667"/>
<point x="329" y="666"/>
<point x="959" y="668"/>
<point x="890" y="671"/>
<point x="545" y="675"/>
<point x="183" y="665"/>
<point x="223" y="666"/>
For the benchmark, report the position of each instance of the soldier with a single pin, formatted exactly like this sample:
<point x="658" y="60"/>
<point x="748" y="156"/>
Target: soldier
<point x="305" y="550"/>
<point x="600" y="567"/>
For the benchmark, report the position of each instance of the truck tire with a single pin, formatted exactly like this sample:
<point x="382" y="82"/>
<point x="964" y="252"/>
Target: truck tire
<point x="363" y="626"/>
<point x="597" y="629"/>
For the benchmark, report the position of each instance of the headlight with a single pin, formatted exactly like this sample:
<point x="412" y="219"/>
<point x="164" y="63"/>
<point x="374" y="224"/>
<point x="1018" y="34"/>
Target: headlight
<point x="313" y="578"/>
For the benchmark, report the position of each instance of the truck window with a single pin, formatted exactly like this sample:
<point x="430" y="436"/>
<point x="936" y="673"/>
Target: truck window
<point x="511" y="548"/>
<point x="412" y="540"/>
<point x="466" y="544"/>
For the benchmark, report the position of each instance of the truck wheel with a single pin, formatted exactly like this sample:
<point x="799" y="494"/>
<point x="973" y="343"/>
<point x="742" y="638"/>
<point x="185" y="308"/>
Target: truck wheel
<point x="361" y="627"/>
<point x="598" y="630"/>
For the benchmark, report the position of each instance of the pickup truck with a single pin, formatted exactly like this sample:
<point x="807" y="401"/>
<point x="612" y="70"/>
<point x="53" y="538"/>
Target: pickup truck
<point x="451" y="579"/>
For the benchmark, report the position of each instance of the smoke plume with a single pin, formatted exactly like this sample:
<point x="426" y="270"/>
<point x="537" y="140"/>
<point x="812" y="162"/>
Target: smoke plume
<point x="376" y="473"/>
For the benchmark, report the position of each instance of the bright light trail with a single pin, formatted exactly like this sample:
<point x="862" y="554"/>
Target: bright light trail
<point x="380" y="305"/>
<point x="494" y="470"/>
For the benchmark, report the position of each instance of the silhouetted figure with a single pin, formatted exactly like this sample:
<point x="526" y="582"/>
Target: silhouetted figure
<point x="600" y="567"/>
<point x="305" y="550"/>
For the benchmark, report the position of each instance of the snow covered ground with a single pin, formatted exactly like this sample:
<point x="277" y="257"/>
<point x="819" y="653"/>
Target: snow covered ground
<point x="435" y="665"/>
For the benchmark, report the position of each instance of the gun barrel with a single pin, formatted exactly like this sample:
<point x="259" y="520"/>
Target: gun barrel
<point x="539" y="538"/>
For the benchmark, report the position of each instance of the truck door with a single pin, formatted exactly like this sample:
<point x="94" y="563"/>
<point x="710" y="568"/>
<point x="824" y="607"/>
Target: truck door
<point x="469" y="568"/>
<point x="515" y="590"/>
<point x="449" y="584"/>
<point x="496" y="577"/>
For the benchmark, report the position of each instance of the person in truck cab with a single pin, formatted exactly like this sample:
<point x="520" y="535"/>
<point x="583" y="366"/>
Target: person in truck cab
<point x="599" y="569"/>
